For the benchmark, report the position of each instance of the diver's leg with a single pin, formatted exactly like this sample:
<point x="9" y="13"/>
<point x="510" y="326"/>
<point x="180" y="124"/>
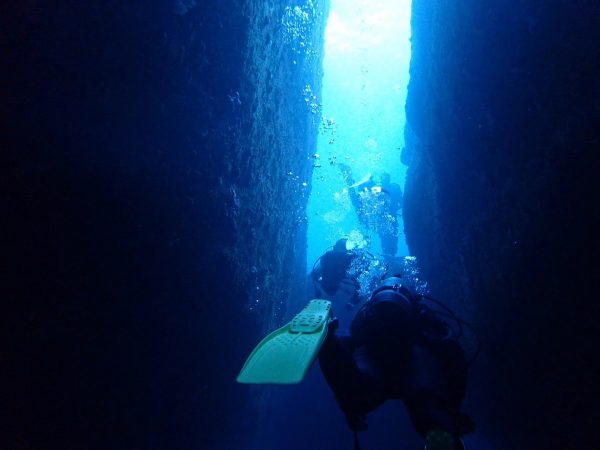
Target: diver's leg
<point x="352" y="378"/>
<point x="433" y="396"/>
<point x="389" y="236"/>
<point x="428" y="412"/>
<point x="389" y="244"/>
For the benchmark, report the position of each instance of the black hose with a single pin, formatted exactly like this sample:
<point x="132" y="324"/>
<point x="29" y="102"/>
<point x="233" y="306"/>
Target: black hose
<point x="315" y="264"/>
<point x="478" y="346"/>
<point x="460" y="322"/>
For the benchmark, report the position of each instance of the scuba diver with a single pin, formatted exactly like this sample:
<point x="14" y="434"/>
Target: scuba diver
<point x="377" y="206"/>
<point x="398" y="348"/>
<point x="330" y="274"/>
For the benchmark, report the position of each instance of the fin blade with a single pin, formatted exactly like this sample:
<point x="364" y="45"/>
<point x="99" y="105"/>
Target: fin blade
<point x="286" y="354"/>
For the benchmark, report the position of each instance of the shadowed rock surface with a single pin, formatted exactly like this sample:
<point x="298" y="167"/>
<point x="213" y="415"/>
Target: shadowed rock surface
<point x="502" y="207"/>
<point x="153" y="161"/>
<point x="145" y="199"/>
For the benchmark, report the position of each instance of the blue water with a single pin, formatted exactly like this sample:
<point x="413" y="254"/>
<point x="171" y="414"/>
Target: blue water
<point x="365" y="67"/>
<point x="157" y="163"/>
<point x="362" y="118"/>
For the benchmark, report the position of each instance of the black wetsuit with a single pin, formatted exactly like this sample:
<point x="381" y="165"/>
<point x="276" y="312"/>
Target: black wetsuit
<point x="378" y="211"/>
<point x="331" y="275"/>
<point x="334" y="265"/>
<point x="388" y="357"/>
<point x="388" y="229"/>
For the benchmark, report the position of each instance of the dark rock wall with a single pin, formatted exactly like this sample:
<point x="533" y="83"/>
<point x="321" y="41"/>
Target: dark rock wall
<point x="270" y="167"/>
<point x="501" y="204"/>
<point x="270" y="172"/>
<point x="144" y="147"/>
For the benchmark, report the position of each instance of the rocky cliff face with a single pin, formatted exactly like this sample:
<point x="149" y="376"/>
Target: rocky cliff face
<point x="501" y="205"/>
<point x="153" y="163"/>
<point x="146" y="201"/>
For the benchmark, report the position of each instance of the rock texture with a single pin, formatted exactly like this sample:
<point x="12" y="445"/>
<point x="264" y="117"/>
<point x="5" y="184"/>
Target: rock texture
<point x="501" y="204"/>
<point x="153" y="161"/>
<point x="145" y="148"/>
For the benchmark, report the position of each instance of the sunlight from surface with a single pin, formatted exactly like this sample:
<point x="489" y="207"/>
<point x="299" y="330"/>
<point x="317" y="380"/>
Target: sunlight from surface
<point x="366" y="62"/>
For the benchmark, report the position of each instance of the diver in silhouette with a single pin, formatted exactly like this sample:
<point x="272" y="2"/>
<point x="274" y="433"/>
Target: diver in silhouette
<point x="388" y="230"/>
<point x="330" y="274"/>
<point x="358" y="192"/>
<point x="377" y="206"/>
<point x="399" y="348"/>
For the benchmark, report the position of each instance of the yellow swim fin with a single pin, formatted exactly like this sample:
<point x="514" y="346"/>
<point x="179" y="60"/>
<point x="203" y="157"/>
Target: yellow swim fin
<point x="285" y="355"/>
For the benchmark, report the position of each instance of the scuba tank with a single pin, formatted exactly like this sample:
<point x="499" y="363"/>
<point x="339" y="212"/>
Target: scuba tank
<point x="388" y="315"/>
<point x="395" y="314"/>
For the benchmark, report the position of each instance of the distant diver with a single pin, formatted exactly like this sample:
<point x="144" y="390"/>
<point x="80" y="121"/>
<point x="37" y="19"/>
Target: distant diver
<point x="377" y="206"/>
<point x="331" y="277"/>
<point x="397" y="348"/>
